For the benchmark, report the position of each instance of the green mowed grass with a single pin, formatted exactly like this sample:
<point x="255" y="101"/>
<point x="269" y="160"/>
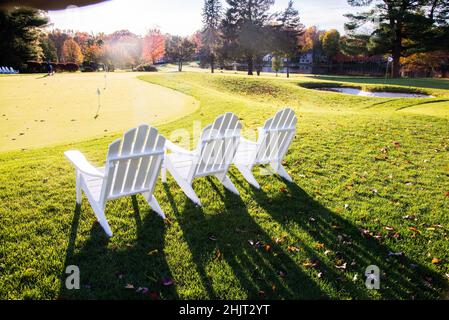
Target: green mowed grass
<point x="371" y="188"/>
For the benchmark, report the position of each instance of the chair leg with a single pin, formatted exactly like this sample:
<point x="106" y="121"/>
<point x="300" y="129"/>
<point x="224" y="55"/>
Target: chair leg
<point x="189" y="192"/>
<point x="154" y="204"/>
<point x="101" y="218"/>
<point x="227" y="183"/>
<point x="248" y="175"/>
<point x="185" y="186"/>
<point x="280" y="170"/>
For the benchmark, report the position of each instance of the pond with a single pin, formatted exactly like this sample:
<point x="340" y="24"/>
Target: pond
<point x="380" y="94"/>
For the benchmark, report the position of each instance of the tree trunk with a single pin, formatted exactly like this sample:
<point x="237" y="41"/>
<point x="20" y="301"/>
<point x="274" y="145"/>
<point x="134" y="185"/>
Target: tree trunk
<point x="396" y="26"/>
<point x="396" y="61"/>
<point x="212" y="63"/>
<point x="180" y="65"/>
<point x="250" y="65"/>
<point x="288" y="68"/>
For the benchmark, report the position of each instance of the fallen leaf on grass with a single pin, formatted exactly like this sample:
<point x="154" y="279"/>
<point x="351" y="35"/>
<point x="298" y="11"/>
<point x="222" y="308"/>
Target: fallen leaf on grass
<point x="378" y="236"/>
<point x="167" y="282"/>
<point x="212" y="238"/>
<point x="389" y="228"/>
<point x="447" y="194"/>
<point x="153" y="252"/>
<point x="319" y="246"/>
<point x="365" y="233"/>
<point x="279" y="240"/>
<point x="409" y="218"/>
<point x="293" y="249"/>
<point x="142" y="290"/>
<point x="356" y="277"/>
<point x="414" y="230"/>
<point x="310" y="264"/>
<point x="267" y="247"/>
<point x="436" y="261"/>
<point x="341" y="266"/>
<point x="129" y="286"/>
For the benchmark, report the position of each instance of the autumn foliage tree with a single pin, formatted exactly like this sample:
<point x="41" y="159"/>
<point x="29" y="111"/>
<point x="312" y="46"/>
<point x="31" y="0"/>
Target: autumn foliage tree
<point x="153" y="46"/>
<point x="71" y="52"/>
<point x="330" y="42"/>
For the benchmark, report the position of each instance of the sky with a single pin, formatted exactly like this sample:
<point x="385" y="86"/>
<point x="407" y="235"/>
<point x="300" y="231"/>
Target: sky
<point x="181" y="17"/>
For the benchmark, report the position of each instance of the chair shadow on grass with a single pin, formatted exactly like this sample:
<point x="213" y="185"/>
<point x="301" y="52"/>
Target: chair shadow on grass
<point x="223" y="239"/>
<point x="401" y="278"/>
<point x="105" y="270"/>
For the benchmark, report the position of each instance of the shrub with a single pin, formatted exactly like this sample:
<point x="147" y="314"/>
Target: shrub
<point x="146" y="67"/>
<point x="89" y="66"/>
<point x="71" y="67"/>
<point x="41" y="67"/>
<point x="33" y="67"/>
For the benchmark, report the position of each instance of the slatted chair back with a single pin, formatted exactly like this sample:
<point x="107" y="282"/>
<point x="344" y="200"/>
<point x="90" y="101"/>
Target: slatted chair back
<point x="275" y="137"/>
<point x="217" y="146"/>
<point x="133" y="163"/>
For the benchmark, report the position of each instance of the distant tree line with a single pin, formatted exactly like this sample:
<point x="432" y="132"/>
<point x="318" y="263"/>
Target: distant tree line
<point x="414" y="33"/>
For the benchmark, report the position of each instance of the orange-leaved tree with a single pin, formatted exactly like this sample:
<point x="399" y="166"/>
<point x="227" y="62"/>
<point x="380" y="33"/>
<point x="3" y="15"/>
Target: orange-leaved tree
<point x="153" y="46"/>
<point x="71" y="52"/>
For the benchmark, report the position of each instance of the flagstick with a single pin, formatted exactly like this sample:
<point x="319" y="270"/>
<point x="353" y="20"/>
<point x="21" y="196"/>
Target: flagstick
<point x="99" y="105"/>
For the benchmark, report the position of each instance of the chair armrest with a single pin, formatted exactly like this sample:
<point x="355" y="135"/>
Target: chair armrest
<point x="80" y="162"/>
<point x="176" y="149"/>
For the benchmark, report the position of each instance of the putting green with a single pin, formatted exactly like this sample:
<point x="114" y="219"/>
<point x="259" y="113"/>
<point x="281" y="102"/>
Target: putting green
<point x="36" y="110"/>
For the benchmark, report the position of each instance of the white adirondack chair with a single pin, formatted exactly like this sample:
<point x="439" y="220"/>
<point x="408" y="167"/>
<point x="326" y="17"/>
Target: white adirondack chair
<point x="3" y="70"/>
<point x="273" y="141"/>
<point x="132" y="167"/>
<point x="212" y="157"/>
